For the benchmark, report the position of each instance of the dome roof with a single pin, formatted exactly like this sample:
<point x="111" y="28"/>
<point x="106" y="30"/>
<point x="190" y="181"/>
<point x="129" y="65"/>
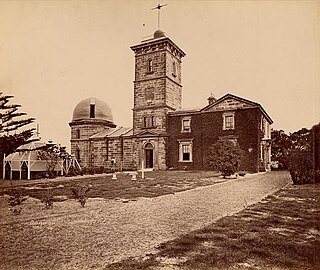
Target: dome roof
<point x="158" y="34"/>
<point x="92" y="108"/>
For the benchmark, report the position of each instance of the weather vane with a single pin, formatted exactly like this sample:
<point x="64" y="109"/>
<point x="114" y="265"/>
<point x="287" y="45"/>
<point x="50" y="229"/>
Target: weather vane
<point x="158" y="7"/>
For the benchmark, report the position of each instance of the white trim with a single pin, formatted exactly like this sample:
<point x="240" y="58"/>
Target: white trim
<point x="183" y="119"/>
<point x="228" y="114"/>
<point x="185" y="143"/>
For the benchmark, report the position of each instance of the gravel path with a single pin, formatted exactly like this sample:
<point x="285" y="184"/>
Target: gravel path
<point x="108" y="231"/>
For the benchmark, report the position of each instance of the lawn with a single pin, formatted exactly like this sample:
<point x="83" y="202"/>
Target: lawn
<point x="103" y="186"/>
<point x="280" y="232"/>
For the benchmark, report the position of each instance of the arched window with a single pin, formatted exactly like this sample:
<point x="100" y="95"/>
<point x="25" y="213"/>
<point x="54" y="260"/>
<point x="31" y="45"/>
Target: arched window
<point x="174" y="69"/>
<point x="148" y="146"/>
<point x="150" y="66"/>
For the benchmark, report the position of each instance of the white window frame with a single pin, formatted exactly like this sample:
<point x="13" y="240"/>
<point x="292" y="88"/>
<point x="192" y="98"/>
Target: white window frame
<point x="225" y="116"/>
<point x="183" y="120"/>
<point x="183" y="143"/>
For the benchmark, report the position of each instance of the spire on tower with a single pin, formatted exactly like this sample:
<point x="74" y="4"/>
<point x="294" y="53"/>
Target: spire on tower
<point x="158" y="7"/>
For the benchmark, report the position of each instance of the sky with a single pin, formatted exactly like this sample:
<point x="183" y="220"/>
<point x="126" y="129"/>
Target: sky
<point x="53" y="54"/>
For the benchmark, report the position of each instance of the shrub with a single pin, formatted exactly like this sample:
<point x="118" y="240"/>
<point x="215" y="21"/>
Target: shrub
<point x="16" y="198"/>
<point x="242" y="173"/>
<point x="48" y="198"/>
<point x="81" y="194"/>
<point x="301" y="167"/>
<point x="225" y="156"/>
<point x="261" y="167"/>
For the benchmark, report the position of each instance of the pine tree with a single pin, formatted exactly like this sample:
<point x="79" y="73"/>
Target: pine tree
<point x="13" y="130"/>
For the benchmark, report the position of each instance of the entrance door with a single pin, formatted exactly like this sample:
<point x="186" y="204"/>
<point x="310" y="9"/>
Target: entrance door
<point x="149" y="155"/>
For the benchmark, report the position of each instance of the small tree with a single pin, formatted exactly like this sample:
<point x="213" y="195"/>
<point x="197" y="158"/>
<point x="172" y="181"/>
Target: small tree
<point x="52" y="154"/>
<point x="81" y="194"/>
<point x="225" y="156"/>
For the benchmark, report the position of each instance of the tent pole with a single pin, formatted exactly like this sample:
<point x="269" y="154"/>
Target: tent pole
<point x="29" y="166"/>
<point x="4" y="167"/>
<point x="20" y="171"/>
<point x="10" y="171"/>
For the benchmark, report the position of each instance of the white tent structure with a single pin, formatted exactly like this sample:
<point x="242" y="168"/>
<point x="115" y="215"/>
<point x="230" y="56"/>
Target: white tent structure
<point x="26" y="159"/>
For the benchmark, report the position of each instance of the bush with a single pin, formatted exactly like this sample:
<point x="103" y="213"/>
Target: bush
<point x="81" y="194"/>
<point x="48" y="198"/>
<point x="242" y="173"/>
<point x="225" y="156"/>
<point x="15" y="200"/>
<point x="301" y="167"/>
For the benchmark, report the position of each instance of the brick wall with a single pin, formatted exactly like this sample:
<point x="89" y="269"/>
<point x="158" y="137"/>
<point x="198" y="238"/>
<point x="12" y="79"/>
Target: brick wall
<point x="206" y="129"/>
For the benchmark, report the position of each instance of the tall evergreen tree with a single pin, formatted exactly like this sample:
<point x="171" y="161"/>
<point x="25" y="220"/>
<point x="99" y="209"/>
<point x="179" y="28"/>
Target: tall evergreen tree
<point x="13" y="127"/>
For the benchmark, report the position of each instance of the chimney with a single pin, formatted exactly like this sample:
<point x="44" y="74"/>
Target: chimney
<point x="211" y="99"/>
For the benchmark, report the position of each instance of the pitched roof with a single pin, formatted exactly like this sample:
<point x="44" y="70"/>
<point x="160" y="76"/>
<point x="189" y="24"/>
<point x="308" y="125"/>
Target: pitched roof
<point x="103" y="133"/>
<point x="242" y="103"/>
<point x="119" y="132"/>
<point x="186" y="110"/>
<point x="112" y="133"/>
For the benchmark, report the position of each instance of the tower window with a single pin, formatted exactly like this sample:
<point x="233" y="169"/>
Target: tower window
<point x="149" y="94"/>
<point x="150" y="66"/>
<point x="78" y="134"/>
<point x="174" y="69"/>
<point x="149" y="121"/>
<point x="92" y="111"/>
<point x="153" y="121"/>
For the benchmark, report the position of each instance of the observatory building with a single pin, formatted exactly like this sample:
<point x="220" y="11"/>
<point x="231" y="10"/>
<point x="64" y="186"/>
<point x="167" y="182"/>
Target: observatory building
<point x="163" y="135"/>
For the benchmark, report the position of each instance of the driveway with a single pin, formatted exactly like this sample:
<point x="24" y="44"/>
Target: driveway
<point x="107" y="231"/>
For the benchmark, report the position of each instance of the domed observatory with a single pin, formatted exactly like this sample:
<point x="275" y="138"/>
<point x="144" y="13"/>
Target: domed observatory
<point x="90" y="117"/>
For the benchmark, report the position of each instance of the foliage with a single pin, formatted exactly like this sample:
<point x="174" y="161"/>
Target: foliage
<point x="225" y="156"/>
<point x="304" y="156"/>
<point x="51" y="153"/>
<point x="283" y="144"/>
<point x="301" y="166"/>
<point x="81" y="194"/>
<point x="15" y="200"/>
<point x="280" y="147"/>
<point x="12" y="127"/>
<point x="95" y="170"/>
<point x="316" y="150"/>
<point x="48" y="198"/>
<point x="16" y="197"/>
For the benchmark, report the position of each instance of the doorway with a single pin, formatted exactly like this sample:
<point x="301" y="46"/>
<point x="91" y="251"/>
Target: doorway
<point x="148" y="155"/>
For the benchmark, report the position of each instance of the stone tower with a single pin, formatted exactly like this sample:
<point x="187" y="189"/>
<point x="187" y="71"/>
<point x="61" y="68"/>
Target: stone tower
<point x="157" y="91"/>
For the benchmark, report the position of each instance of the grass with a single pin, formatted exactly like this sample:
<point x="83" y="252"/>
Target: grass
<point x="281" y="232"/>
<point x="155" y="184"/>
